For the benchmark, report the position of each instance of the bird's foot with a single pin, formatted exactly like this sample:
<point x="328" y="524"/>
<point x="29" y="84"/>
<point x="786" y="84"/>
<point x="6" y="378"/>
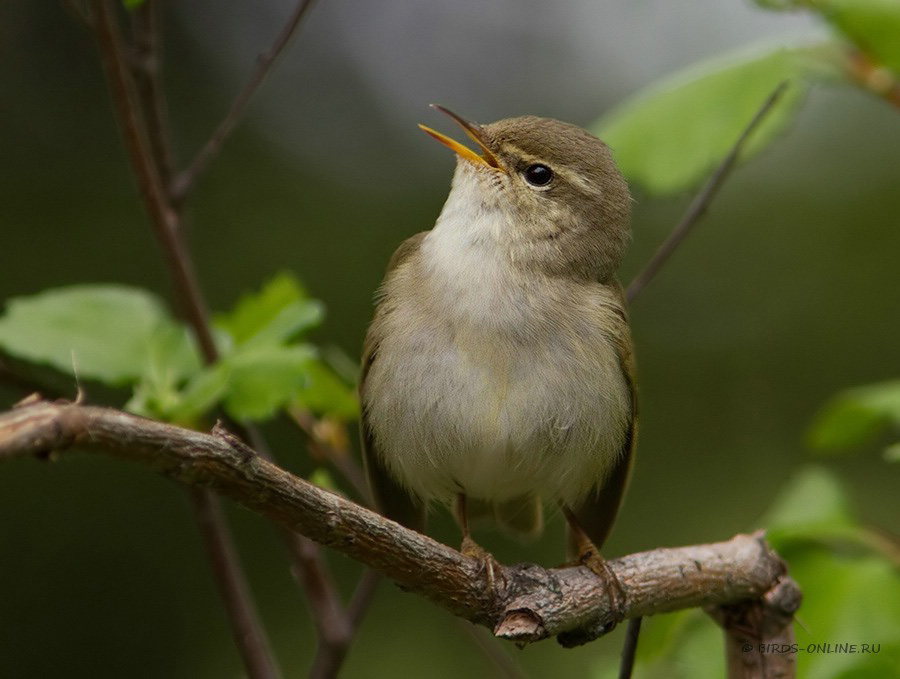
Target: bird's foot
<point x="493" y="571"/>
<point x="614" y="591"/>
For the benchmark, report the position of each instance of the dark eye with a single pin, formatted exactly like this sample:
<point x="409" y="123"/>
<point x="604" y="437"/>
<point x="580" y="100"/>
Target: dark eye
<point x="538" y="175"/>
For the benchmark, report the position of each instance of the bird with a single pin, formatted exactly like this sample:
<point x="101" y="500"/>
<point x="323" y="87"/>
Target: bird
<point x="498" y="370"/>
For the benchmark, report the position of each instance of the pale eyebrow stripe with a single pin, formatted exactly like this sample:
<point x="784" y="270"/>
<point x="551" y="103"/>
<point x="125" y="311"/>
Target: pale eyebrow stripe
<point x="571" y="177"/>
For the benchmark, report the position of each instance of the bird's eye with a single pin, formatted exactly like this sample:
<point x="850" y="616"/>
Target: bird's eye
<point x="538" y="175"/>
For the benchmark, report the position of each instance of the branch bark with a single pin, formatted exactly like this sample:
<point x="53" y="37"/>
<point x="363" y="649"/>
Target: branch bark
<point x="139" y="103"/>
<point x="246" y="626"/>
<point x="524" y="603"/>
<point x="163" y="216"/>
<point x="185" y="181"/>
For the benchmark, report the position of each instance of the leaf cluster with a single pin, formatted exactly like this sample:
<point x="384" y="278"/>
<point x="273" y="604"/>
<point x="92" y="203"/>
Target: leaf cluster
<point x="670" y="136"/>
<point x="123" y="336"/>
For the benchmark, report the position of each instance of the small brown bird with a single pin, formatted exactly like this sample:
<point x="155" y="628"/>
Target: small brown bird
<point x="498" y="369"/>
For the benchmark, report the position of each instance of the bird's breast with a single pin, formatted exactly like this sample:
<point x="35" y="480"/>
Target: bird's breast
<point x="488" y="384"/>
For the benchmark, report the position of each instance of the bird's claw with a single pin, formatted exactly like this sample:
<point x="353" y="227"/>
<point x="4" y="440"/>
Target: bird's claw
<point x="491" y="568"/>
<point x="614" y="590"/>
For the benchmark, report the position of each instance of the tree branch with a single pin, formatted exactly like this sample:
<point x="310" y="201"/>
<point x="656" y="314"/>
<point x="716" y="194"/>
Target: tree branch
<point x="184" y="182"/>
<point x="701" y="201"/>
<point x="147" y="69"/>
<point x="524" y="603"/>
<point x="245" y="625"/>
<point x="757" y="633"/>
<point x="226" y="566"/>
<point x="162" y="216"/>
<point x="148" y="142"/>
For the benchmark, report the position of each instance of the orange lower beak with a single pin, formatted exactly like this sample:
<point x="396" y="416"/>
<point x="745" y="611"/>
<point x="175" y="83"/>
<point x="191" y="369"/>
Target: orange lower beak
<point x="474" y="132"/>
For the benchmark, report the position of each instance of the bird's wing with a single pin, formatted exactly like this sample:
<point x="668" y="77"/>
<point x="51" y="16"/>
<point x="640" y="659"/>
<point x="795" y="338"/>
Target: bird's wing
<point x="391" y="498"/>
<point x="597" y="513"/>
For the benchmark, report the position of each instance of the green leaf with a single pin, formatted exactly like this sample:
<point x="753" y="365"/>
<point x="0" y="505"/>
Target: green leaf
<point x="201" y="394"/>
<point x="102" y="332"/>
<point x="276" y="314"/>
<point x="872" y="25"/>
<point x="172" y="358"/>
<point x="847" y="599"/>
<point x="261" y="381"/>
<point x="814" y="506"/>
<point x="814" y="509"/>
<point x="671" y="136"/>
<point x="673" y="646"/>
<point x="856" y="416"/>
<point x="254" y="383"/>
<point x="325" y="392"/>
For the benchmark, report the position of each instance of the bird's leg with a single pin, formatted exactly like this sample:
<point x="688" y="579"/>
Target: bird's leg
<point x="587" y="554"/>
<point x="471" y="548"/>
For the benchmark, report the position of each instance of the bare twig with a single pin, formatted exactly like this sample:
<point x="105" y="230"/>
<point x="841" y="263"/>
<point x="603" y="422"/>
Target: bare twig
<point x="332" y="649"/>
<point x="162" y="216"/>
<point x="152" y="161"/>
<point x="227" y="568"/>
<point x="523" y="603"/>
<point x="629" y="648"/>
<point x="702" y="200"/>
<point x="142" y="114"/>
<point x="331" y="622"/>
<point x="246" y="627"/>
<point x="184" y="182"/>
<point x="365" y="590"/>
<point x="147" y="69"/>
<point x="335" y="625"/>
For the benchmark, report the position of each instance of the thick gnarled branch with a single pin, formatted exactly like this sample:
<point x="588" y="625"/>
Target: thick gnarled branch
<point x="524" y="602"/>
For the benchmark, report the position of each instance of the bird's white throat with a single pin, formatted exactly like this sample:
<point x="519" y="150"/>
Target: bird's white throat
<point x="466" y="257"/>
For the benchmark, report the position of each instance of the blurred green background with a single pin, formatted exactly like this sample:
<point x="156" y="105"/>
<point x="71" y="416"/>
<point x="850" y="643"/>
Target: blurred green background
<point x="787" y="293"/>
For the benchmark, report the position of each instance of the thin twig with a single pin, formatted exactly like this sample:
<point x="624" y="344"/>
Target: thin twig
<point x="331" y="622"/>
<point x="629" y="648"/>
<point x="332" y="650"/>
<point x="150" y="160"/>
<point x="163" y="218"/>
<point x="522" y="603"/>
<point x="147" y="69"/>
<point x="702" y="200"/>
<point x="184" y="182"/>
<point x="362" y="597"/>
<point x="335" y="626"/>
<point x="246" y="627"/>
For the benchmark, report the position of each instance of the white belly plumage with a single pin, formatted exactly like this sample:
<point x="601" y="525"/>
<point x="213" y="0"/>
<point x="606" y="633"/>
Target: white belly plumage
<point x="498" y="421"/>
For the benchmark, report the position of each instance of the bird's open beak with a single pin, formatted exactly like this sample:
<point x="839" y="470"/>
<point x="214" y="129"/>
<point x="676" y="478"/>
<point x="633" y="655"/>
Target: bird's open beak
<point x="475" y="133"/>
